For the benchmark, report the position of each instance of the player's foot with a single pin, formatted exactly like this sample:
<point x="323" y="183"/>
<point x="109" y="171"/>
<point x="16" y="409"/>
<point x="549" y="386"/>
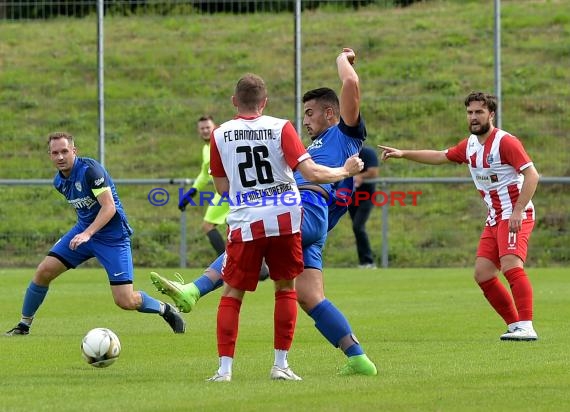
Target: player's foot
<point x="184" y="295"/>
<point x="226" y="377"/>
<point x="19" y="329"/>
<point x="264" y="272"/>
<point x="286" y="374"/>
<point x="520" y="334"/>
<point x="358" y="365"/>
<point x="174" y="319"/>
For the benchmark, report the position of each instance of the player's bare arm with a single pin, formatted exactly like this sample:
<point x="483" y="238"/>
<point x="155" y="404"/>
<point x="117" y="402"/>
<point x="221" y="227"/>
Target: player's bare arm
<point x="321" y="174"/>
<point x="106" y="213"/>
<point x="222" y="185"/>
<point x="528" y="188"/>
<point x="350" y="91"/>
<point x="431" y="157"/>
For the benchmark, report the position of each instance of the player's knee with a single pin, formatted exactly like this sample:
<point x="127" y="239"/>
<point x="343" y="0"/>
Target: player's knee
<point x="45" y="273"/>
<point x="481" y="276"/>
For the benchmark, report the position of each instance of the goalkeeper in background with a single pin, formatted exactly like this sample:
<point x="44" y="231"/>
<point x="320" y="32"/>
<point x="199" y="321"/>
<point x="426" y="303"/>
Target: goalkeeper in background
<point x="216" y="212"/>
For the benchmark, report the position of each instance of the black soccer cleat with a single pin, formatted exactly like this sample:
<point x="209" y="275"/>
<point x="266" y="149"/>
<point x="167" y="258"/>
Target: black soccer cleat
<point x="19" y="329"/>
<point x="174" y="319"/>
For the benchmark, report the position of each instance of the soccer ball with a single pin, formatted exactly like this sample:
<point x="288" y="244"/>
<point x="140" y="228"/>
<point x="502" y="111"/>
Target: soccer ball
<point x="100" y="347"/>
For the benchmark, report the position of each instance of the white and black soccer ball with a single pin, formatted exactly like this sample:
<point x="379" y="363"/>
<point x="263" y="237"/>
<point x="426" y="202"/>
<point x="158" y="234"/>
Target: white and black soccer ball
<point x="100" y="347"/>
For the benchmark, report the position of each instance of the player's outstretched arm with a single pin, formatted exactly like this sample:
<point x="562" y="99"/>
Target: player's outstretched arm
<point x="321" y="174"/>
<point x="431" y="157"/>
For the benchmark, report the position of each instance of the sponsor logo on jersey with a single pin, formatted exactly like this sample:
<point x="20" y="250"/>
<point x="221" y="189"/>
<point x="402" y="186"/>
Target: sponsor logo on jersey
<point x="99" y="181"/>
<point x="317" y="143"/>
<point x="86" y="201"/>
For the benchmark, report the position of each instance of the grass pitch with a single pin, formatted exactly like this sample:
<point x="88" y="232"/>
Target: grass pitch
<point x="432" y="335"/>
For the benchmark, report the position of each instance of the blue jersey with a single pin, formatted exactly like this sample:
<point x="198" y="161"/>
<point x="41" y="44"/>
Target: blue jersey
<point x="333" y="147"/>
<point x="87" y="178"/>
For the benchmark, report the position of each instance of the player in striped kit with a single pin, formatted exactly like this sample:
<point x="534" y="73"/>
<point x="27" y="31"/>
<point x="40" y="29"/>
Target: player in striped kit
<point x="506" y="178"/>
<point x="337" y="131"/>
<point x="252" y="158"/>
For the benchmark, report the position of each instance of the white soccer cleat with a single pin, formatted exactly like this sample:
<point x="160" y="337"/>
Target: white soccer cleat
<point x="286" y="374"/>
<point x="226" y="377"/>
<point x="520" y="334"/>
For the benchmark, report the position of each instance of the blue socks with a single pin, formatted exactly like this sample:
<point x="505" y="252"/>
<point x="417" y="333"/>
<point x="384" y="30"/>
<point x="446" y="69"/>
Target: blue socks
<point x="148" y="305"/>
<point x="204" y="283"/>
<point x="33" y="299"/>
<point x="334" y="326"/>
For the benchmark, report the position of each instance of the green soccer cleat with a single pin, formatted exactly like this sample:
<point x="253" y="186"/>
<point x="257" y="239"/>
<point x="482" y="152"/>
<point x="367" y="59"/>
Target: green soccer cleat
<point x="358" y="365"/>
<point x="184" y="295"/>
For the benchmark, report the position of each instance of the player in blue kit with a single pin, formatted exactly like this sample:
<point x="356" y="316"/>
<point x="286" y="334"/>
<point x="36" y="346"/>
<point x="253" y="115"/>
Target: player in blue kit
<point x="102" y="231"/>
<point x="337" y="132"/>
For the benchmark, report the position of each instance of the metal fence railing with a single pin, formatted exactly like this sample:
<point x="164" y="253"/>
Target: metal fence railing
<point x="182" y="233"/>
<point x="139" y="76"/>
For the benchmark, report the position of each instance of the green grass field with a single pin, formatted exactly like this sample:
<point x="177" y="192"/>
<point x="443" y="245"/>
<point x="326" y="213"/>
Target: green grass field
<point x="431" y="333"/>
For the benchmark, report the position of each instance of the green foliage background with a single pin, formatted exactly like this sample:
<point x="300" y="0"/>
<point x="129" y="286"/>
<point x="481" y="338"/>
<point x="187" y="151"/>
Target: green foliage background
<point x="162" y="72"/>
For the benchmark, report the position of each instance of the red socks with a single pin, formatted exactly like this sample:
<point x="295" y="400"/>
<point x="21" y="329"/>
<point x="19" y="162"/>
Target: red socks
<point x="515" y="308"/>
<point x="500" y="299"/>
<point x="227" y="326"/>
<point x="284" y="319"/>
<point x="521" y="290"/>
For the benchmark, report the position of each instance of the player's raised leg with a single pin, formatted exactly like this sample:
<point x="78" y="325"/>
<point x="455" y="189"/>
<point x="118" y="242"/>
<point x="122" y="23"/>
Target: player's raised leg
<point x="186" y="295"/>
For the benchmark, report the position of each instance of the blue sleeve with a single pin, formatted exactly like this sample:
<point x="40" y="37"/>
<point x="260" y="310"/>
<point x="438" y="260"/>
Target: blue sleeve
<point x="95" y="177"/>
<point x="356" y="132"/>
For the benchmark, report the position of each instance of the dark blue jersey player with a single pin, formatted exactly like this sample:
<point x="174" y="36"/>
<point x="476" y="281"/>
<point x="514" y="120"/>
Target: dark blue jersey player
<point x="337" y="132"/>
<point x="101" y="231"/>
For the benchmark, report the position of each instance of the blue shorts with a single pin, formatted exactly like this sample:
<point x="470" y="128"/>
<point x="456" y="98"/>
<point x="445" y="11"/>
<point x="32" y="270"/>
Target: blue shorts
<point x="114" y="255"/>
<point x="314" y="229"/>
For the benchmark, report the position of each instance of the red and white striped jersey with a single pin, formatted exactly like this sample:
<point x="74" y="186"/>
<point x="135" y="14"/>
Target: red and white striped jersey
<point x="495" y="167"/>
<point x="258" y="156"/>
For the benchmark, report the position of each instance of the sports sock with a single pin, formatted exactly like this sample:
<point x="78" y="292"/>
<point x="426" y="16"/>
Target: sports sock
<point x="216" y="241"/>
<point x="148" y="304"/>
<point x="500" y="299"/>
<point x="333" y="326"/>
<point x="281" y="359"/>
<point x="227" y="325"/>
<point x="522" y="292"/>
<point x="204" y="284"/>
<point x="284" y="319"/>
<point x="226" y="364"/>
<point x="35" y="295"/>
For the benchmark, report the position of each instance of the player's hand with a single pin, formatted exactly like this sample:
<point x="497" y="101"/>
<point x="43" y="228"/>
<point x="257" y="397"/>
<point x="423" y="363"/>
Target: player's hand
<point x="78" y="240"/>
<point x="183" y="202"/>
<point x="388" y="152"/>
<point x="354" y="165"/>
<point x="515" y="222"/>
<point x="349" y="54"/>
